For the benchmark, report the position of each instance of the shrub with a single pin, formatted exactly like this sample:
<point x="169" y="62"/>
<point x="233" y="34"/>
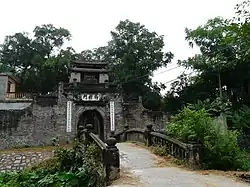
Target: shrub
<point x="70" y="167"/>
<point x="219" y="149"/>
<point x="190" y="124"/>
<point x="241" y="118"/>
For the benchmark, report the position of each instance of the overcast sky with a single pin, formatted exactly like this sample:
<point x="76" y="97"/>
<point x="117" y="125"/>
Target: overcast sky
<point x="90" y="22"/>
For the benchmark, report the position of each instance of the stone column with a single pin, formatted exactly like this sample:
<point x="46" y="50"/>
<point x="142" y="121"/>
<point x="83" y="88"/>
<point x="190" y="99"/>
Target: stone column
<point x="88" y="129"/>
<point x="193" y="157"/>
<point x="147" y="135"/>
<point x="125" y="135"/>
<point x="112" y="160"/>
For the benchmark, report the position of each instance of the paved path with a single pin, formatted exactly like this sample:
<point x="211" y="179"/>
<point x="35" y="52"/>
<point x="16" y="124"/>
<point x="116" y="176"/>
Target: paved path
<point x="139" y="168"/>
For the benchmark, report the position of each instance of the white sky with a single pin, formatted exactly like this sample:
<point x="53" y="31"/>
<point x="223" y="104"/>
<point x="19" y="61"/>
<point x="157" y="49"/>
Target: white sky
<point x="90" y="22"/>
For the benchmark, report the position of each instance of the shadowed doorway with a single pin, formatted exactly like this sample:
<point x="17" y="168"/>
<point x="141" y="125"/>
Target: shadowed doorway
<point x="95" y="118"/>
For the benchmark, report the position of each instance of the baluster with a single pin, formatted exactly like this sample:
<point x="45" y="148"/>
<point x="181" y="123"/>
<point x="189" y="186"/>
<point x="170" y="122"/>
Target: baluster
<point x="182" y="154"/>
<point x="125" y="134"/>
<point x="177" y="151"/>
<point x="147" y="135"/>
<point x="172" y="149"/>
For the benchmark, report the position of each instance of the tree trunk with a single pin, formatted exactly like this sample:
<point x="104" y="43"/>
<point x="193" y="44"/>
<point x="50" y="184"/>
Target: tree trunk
<point x="220" y="88"/>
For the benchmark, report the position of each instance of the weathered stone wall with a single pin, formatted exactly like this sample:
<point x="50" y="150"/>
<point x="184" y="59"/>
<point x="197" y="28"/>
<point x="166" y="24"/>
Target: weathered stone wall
<point x="3" y="86"/>
<point x="37" y="122"/>
<point x="136" y="116"/>
<point x="34" y="125"/>
<point x="119" y="115"/>
<point x="15" y="161"/>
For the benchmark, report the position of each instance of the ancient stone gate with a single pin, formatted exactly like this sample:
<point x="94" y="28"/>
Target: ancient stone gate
<point x="36" y="119"/>
<point x="89" y="94"/>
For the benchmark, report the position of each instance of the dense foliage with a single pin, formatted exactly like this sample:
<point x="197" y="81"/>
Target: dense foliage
<point x="241" y="119"/>
<point x="222" y="67"/>
<point x="77" y="167"/>
<point x="220" y="148"/>
<point x="134" y="53"/>
<point x="38" y="61"/>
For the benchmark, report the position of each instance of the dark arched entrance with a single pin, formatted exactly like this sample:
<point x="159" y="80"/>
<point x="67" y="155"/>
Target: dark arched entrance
<point x="95" y="118"/>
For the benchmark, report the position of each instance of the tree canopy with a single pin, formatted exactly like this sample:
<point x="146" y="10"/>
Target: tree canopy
<point x="223" y="64"/>
<point x="133" y="53"/>
<point x="38" y="61"/>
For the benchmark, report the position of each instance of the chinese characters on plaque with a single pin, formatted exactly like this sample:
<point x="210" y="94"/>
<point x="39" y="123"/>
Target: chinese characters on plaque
<point x="91" y="97"/>
<point x="112" y="115"/>
<point x="69" y="116"/>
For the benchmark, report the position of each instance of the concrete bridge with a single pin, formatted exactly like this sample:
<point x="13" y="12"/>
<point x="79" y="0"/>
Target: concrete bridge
<point x="128" y="164"/>
<point x="141" y="168"/>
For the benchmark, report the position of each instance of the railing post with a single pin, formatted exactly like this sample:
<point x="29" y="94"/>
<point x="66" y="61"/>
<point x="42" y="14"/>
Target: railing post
<point x="147" y="135"/>
<point x="125" y="134"/>
<point x="112" y="160"/>
<point x="80" y="133"/>
<point x="193" y="155"/>
<point x="88" y="130"/>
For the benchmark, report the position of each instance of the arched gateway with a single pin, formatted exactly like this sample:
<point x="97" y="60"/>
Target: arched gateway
<point x="92" y="117"/>
<point x="89" y="94"/>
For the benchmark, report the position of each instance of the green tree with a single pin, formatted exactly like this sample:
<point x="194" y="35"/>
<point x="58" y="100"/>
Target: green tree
<point x="49" y="39"/>
<point x="39" y="62"/>
<point x="134" y="54"/>
<point x="16" y="52"/>
<point x="223" y="65"/>
<point x="138" y="53"/>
